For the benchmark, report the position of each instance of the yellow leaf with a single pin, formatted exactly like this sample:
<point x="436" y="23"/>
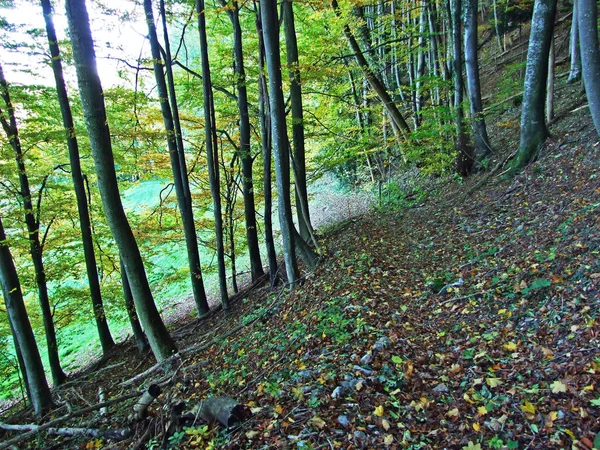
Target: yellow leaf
<point x="558" y="387"/>
<point x="318" y="422"/>
<point x="511" y="346"/>
<point x="501" y="311"/>
<point x="528" y="408"/>
<point x="482" y="410"/>
<point x="550" y="418"/>
<point x="468" y="399"/>
<point x="279" y="409"/>
<point x="476" y="426"/>
<point x="379" y="411"/>
<point x="388" y="440"/>
<point x="358" y="386"/>
<point x="385" y="424"/>
<point x="493" y="382"/>
<point x="570" y="433"/>
<point x="453" y="413"/>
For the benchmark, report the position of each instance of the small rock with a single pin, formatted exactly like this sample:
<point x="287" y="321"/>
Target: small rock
<point x="338" y="392"/>
<point x="366" y="359"/>
<point x="381" y="344"/>
<point x="440" y="388"/>
<point x="344" y="421"/>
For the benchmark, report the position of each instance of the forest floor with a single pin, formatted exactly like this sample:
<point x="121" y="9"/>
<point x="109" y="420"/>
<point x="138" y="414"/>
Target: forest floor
<point x="463" y="321"/>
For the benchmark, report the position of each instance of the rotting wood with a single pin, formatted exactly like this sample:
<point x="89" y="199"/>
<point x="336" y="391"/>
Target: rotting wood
<point x="141" y="407"/>
<point x="225" y="410"/>
<point x="117" y="434"/>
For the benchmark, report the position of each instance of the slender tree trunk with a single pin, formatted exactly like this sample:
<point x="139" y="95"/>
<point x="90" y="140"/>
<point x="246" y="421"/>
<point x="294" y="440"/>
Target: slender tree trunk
<point x="256" y="268"/>
<point x="138" y="334"/>
<point x="211" y="151"/>
<point x="106" y="339"/>
<point x="268" y="9"/>
<point x="299" y="153"/>
<point x="33" y="229"/>
<point x="550" y="84"/>
<point x="178" y="165"/>
<point x="420" y="62"/>
<point x="590" y="56"/>
<point x="482" y="142"/>
<point x="41" y="397"/>
<point x="94" y="111"/>
<point x="533" y="125"/>
<point x="574" y="51"/>
<point x="266" y="144"/>
<point x="20" y="361"/>
<point x="464" y="156"/>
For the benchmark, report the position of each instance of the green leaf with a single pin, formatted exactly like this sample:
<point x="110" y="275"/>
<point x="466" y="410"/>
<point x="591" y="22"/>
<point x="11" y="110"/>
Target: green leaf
<point x="597" y="441"/>
<point x="472" y="446"/>
<point x="595" y="402"/>
<point x="539" y="283"/>
<point x="396" y="360"/>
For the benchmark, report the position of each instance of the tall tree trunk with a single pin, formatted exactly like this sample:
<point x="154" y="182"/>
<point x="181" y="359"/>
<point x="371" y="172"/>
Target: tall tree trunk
<point x="177" y="156"/>
<point x="533" y="124"/>
<point x="299" y="153"/>
<point x="94" y="111"/>
<point x="464" y="156"/>
<point x="400" y="126"/>
<point x="590" y="56"/>
<point x="268" y="9"/>
<point x="266" y="145"/>
<point x="482" y="142"/>
<point x="41" y="398"/>
<point x="550" y="83"/>
<point x="256" y="268"/>
<point x="420" y="62"/>
<point x="212" y="155"/>
<point x="138" y="334"/>
<point x="574" y="51"/>
<point x="106" y="339"/>
<point x="33" y="229"/>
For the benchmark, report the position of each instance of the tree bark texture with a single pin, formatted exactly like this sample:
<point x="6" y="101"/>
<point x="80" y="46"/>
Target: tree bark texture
<point x="587" y="17"/>
<point x="106" y="340"/>
<point x="92" y="100"/>
<point x="138" y="334"/>
<point x="33" y="229"/>
<point x="574" y="50"/>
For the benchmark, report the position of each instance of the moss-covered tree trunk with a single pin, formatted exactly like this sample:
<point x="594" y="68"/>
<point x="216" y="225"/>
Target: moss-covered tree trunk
<point x="94" y="111"/>
<point x="533" y="124"/>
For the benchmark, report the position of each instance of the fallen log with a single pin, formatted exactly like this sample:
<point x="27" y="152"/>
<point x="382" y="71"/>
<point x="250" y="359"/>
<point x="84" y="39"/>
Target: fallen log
<point x="141" y="407"/>
<point x="225" y="410"/>
<point x="117" y="434"/>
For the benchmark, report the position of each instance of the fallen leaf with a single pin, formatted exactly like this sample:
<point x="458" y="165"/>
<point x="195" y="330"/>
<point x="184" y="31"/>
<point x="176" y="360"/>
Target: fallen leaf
<point x="476" y="426"/>
<point x="453" y="413"/>
<point x="379" y="411"/>
<point x="318" y="422"/>
<point x="472" y="446"/>
<point x="385" y="424"/>
<point x="388" y="440"/>
<point x="558" y="387"/>
<point x="511" y="346"/>
<point x="482" y="410"/>
<point x="493" y="382"/>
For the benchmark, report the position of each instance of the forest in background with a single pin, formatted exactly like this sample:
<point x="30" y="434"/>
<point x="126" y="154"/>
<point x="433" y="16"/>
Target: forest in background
<point x="364" y="93"/>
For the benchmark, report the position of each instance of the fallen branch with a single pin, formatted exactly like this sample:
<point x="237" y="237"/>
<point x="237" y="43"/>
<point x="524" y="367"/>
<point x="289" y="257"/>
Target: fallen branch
<point x="56" y="422"/>
<point x="141" y="407"/>
<point x="117" y="434"/>
<point x="455" y="299"/>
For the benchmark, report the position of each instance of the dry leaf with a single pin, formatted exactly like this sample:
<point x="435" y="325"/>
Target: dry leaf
<point x="318" y="422"/>
<point x="558" y="387"/>
<point x="385" y="424"/>
<point x="379" y="411"/>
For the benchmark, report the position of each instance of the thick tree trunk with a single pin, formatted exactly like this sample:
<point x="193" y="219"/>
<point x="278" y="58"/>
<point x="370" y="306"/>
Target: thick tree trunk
<point x="266" y="145"/>
<point x="106" y="339"/>
<point x="94" y="111"/>
<point x="299" y="153"/>
<point x="464" y="156"/>
<point x="256" y="268"/>
<point x="33" y="229"/>
<point x="177" y="156"/>
<point x="574" y="52"/>
<point x="590" y="56"/>
<point x="41" y="398"/>
<point x="482" y="142"/>
<point x="268" y="9"/>
<point x="138" y="334"/>
<point x="212" y="155"/>
<point x="533" y="124"/>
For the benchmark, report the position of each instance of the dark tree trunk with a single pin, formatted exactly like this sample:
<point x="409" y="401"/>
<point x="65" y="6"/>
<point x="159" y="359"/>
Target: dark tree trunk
<point x="464" y="156"/>
<point x="482" y="142"/>
<point x="299" y="153"/>
<point x="574" y="51"/>
<point x="266" y="144"/>
<point x="256" y="268"/>
<point x="268" y="9"/>
<point x="177" y="155"/>
<point x="33" y="229"/>
<point x="94" y="111"/>
<point x="138" y="334"/>
<point x="41" y="398"/>
<point x="533" y="124"/>
<point x="106" y="339"/>
<point x="590" y="56"/>
<point x="20" y="360"/>
<point x="211" y="151"/>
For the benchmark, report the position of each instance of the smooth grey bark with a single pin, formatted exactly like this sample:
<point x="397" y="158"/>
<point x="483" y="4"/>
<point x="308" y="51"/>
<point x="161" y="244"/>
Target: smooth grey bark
<point x="464" y="153"/>
<point x="299" y="152"/>
<point x="268" y="10"/>
<point x="138" y="334"/>
<point x="533" y="125"/>
<point x="94" y="111"/>
<point x="169" y="110"/>
<point x="212" y="154"/>
<point x="33" y="230"/>
<point x="40" y="396"/>
<point x="106" y="340"/>
<point x="256" y="268"/>
<point x="420" y="64"/>
<point x="587" y="17"/>
<point x="574" y="51"/>
<point x="266" y="145"/>
<point x="550" y="83"/>
<point x="482" y="142"/>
